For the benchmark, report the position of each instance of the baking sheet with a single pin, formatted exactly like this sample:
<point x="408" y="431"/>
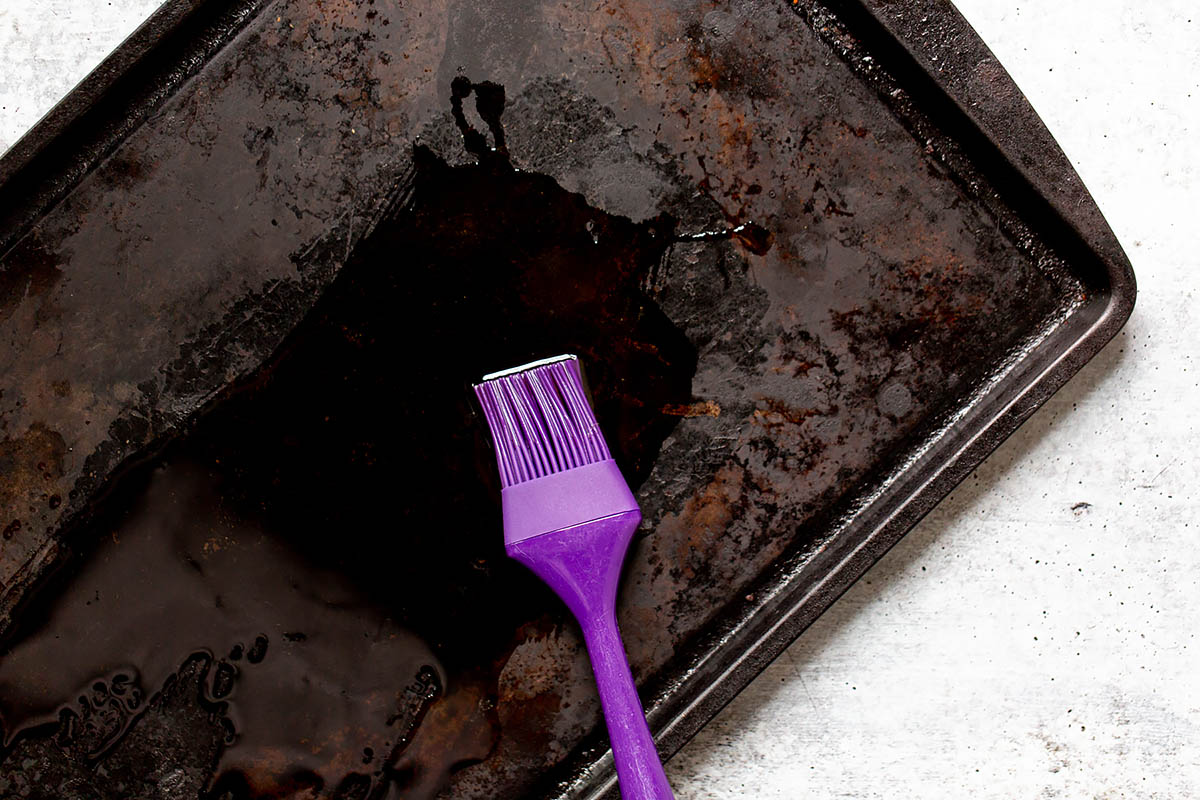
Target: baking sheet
<point x="930" y="271"/>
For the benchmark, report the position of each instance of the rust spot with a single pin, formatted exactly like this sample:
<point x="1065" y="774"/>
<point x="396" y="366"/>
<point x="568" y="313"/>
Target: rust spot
<point x="460" y="729"/>
<point x="31" y="466"/>
<point x="718" y="61"/>
<point x="706" y="515"/>
<point x="775" y="413"/>
<point x="704" y="408"/>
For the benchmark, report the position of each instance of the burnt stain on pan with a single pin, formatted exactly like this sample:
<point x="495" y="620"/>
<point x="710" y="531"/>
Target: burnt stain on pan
<point x="298" y="596"/>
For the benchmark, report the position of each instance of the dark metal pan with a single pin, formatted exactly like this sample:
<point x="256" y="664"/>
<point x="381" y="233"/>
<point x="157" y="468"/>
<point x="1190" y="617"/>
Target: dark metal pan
<point x="819" y="258"/>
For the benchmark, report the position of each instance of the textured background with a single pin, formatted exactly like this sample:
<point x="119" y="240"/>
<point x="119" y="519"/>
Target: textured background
<point x="1034" y="637"/>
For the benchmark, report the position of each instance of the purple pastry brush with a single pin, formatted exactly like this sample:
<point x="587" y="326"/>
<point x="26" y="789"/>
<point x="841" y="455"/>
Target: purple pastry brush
<point x="569" y="516"/>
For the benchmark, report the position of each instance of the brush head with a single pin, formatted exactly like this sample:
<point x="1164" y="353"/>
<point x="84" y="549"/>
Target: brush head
<point x="540" y="419"/>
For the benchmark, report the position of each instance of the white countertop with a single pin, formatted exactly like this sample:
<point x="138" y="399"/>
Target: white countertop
<point x="1035" y="636"/>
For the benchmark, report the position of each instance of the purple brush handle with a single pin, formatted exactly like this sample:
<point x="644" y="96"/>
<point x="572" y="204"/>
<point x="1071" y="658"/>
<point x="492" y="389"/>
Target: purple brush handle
<point x="583" y="566"/>
<point x="638" y="766"/>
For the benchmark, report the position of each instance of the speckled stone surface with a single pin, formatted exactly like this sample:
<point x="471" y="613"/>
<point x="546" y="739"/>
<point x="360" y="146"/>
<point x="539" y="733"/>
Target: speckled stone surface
<point x="1034" y="637"/>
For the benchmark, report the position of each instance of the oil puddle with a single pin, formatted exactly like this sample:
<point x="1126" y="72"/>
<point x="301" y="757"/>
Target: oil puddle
<point x="304" y="678"/>
<point x="307" y="595"/>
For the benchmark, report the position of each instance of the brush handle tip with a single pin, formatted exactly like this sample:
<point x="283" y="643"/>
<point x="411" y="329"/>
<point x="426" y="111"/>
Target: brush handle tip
<point x="639" y="768"/>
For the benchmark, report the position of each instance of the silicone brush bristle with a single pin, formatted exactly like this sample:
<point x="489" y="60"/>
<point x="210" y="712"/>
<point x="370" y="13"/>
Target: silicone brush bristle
<point x="540" y="419"/>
